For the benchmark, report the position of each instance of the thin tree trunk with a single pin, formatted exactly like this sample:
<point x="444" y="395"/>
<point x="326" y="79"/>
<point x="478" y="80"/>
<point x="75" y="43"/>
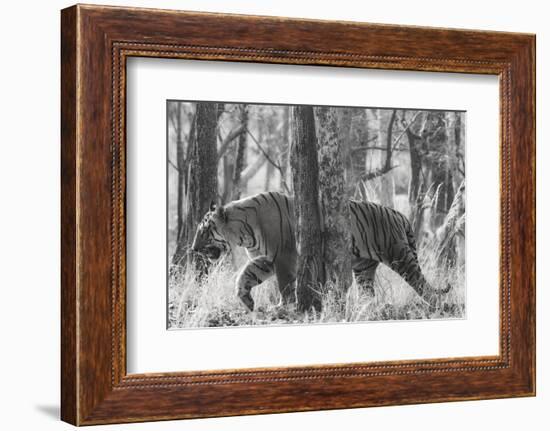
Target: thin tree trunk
<point x="442" y="180"/>
<point x="417" y="185"/>
<point x="459" y="153"/>
<point x="180" y="160"/>
<point x="285" y="148"/>
<point x="202" y="180"/>
<point x="189" y="151"/>
<point x="240" y="156"/>
<point x="415" y="152"/>
<point x="451" y="231"/>
<point x="305" y="178"/>
<point x="228" y="168"/>
<point x="389" y="141"/>
<point x="333" y="199"/>
<point x="386" y="180"/>
<point x="268" y="171"/>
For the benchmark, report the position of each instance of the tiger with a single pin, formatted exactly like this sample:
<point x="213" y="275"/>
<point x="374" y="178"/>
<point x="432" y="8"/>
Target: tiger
<point x="264" y="225"/>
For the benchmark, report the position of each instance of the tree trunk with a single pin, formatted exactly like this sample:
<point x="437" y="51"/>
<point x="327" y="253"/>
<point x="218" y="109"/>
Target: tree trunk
<point x="416" y="167"/>
<point x="333" y="200"/>
<point x="344" y="138"/>
<point x="268" y="171"/>
<point x="459" y="150"/>
<point x="180" y="160"/>
<point x="386" y="180"/>
<point x="202" y="179"/>
<point x="305" y="178"/>
<point x="227" y="187"/>
<point x="270" y="125"/>
<point x="442" y="178"/>
<point x="241" y="154"/>
<point x="189" y="151"/>
<point x="417" y="188"/>
<point x="452" y="231"/>
<point x="285" y="149"/>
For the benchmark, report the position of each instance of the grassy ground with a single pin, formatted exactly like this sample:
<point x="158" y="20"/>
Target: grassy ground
<point x="212" y="302"/>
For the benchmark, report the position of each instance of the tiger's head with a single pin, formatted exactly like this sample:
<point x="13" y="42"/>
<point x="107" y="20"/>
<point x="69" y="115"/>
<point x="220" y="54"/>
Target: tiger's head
<point x="209" y="239"/>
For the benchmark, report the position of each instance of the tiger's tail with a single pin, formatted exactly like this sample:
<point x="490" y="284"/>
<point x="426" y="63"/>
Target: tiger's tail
<point x="429" y="290"/>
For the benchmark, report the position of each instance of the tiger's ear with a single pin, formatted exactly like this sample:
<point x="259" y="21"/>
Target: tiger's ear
<point x="212" y="206"/>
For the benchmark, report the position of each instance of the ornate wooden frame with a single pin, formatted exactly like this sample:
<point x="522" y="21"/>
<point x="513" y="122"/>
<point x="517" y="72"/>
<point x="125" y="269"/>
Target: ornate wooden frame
<point x="95" y="43"/>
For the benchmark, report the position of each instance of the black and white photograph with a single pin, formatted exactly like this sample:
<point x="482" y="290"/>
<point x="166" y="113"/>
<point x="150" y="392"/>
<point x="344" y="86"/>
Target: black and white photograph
<point x="298" y="214"/>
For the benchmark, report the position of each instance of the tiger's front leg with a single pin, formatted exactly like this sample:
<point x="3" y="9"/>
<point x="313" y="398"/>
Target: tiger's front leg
<point x="254" y="273"/>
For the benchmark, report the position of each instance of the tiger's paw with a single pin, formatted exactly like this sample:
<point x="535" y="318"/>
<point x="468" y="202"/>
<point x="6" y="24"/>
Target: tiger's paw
<point x="247" y="301"/>
<point x="434" y="298"/>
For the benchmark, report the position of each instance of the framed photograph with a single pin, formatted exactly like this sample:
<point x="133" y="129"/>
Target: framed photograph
<point x="264" y="215"/>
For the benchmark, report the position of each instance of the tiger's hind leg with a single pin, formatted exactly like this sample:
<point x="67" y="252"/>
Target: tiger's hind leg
<point x="254" y="273"/>
<point x="364" y="271"/>
<point x="286" y="277"/>
<point x="405" y="263"/>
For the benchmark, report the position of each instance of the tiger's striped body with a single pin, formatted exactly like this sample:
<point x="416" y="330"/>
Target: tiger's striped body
<point x="264" y="225"/>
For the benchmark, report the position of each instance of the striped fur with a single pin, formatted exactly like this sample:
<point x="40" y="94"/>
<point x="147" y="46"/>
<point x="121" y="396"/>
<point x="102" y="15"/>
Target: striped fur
<point x="264" y="225"/>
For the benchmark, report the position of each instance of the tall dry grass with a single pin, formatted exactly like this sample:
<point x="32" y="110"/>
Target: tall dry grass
<point x="212" y="301"/>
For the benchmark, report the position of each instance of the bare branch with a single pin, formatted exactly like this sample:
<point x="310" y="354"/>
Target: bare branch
<point x="269" y="159"/>
<point x="461" y="164"/>
<point x="365" y="144"/>
<point x="355" y="149"/>
<point x="405" y="128"/>
<point x="252" y="169"/>
<point x="262" y="150"/>
<point x="231" y="136"/>
<point x="173" y="165"/>
<point x="377" y="173"/>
